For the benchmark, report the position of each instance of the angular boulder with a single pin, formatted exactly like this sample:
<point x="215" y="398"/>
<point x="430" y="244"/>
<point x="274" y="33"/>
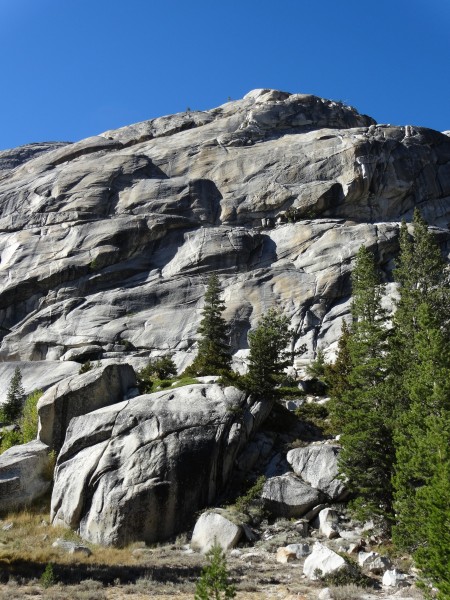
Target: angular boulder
<point x="322" y="559"/>
<point x="288" y="496"/>
<point x="140" y="469"/>
<point x="81" y="394"/>
<point x="23" y="474"/>
<point x="327" y="521"/>
<point x="214" y="528"/>
<point x="317" y="464"/>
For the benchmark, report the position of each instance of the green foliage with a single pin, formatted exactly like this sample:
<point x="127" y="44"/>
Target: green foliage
<point x="419" y="382"/>
<point x="433" y="500"/>
<point x="268" y="356"/>
<point x="10" y="439"/>
<point x="315" y="414"/>
<point x="85" y="367"/>
<point x="214" y="582"/>
<point x="243" y="503"/>
<point x="351" y="574"/>
<point x="49" y="470"/>
<point x="359" y="408"/>
<point x="214" y="354"/>
<point x="156" y="373"/>
<point x="48" y="577"/>
<point x="318" y="368"/>
<point x="29" y="420"/>
<point x="12" y="408"/>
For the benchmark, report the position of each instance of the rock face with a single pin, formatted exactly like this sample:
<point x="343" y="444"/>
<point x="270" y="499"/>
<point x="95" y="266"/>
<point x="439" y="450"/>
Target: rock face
<point x="23" y="475"/>
<point x="140" y="469"/>
<point x="81" y="394"/>
<point x="317" y="465"/>
<point x="108" y="242"/>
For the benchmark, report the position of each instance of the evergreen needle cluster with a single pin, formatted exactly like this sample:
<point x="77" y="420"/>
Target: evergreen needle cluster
<point x="390" y="388"/>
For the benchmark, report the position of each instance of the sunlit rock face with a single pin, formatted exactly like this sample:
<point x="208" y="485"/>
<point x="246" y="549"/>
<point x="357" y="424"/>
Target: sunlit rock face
<point x="107" y="243"/>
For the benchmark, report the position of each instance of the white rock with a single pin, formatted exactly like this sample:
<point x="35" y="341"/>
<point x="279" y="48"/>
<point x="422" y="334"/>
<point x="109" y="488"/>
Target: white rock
<point x="299" y="549"/>
<point x="325" y="594"/>
<point x="323" y="559"/>
<point x="212" y="528"/>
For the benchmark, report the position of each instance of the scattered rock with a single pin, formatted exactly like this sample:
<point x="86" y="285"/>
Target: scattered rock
<point x="71" y="547"/>
<point x="322" y="559"/>
<point x="374" y="562"/>
<point x="299" y="549"/>
<point x="325" y="594"/>
<point x="392" y="578"/>
<point x="284" y="555"/>
<point x="326" y="521"/>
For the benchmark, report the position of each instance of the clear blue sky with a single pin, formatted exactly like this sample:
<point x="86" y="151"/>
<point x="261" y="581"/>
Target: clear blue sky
<point x="74" y="68"/>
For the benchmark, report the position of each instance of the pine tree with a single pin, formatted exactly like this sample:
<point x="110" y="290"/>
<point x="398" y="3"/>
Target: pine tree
<point x="422" y="429"/>
<point x="213" y="583"/>
<point x="433" y="500"/>
<point x="214" y="354"/>
<point x="423" y="278"/>
<point x="268" y="356"/>
<point x="419" y="364"/>
<point x="359" y="402"/>
<point x="12" y="409"/>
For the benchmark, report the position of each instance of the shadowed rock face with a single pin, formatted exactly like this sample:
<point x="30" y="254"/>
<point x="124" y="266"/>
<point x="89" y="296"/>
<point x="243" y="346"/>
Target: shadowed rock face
<point x="140" y="469"/>
<point x="108" y="242"/>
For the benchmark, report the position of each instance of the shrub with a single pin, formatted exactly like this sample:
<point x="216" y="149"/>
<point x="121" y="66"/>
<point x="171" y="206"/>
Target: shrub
<point x="48" y="577"/>
<point x="155" y="372"/>
<point x="243" y="503"/>
<point x="85" y="367"/>
<point x="10" y="439"/>
<point x="213" y="583"/>
<point x="29" y="420"/>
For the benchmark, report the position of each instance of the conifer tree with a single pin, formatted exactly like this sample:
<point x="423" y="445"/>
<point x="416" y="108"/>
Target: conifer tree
<point x="214" y="354"/>
<point x="12" y="409"/>
<point x="419" y="364"/>
<point x="214" y="582"/>
<point x="359" y="404"/>
<point x="268" y="356"/>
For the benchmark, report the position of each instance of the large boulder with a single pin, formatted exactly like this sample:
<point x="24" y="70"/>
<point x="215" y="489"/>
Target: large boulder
<point x="81" y="394"/>
<point x="317" y="464"/>
<point x="24" y="474"/>
<point x="212" y="528"/>
<point x="140" y="469"/>
<point x="288" y="496"/>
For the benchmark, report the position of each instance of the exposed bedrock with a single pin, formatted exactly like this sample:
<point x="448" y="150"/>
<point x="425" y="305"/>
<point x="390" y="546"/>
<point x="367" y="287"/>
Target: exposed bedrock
<point x="140" y="469"/>
<point x="107" y="243"/>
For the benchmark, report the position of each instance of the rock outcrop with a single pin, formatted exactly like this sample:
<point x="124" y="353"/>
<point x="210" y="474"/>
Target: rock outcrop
<point x="107" y="243"/>
<point x="81" y="394"/>
<point x="140" y="469"/>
